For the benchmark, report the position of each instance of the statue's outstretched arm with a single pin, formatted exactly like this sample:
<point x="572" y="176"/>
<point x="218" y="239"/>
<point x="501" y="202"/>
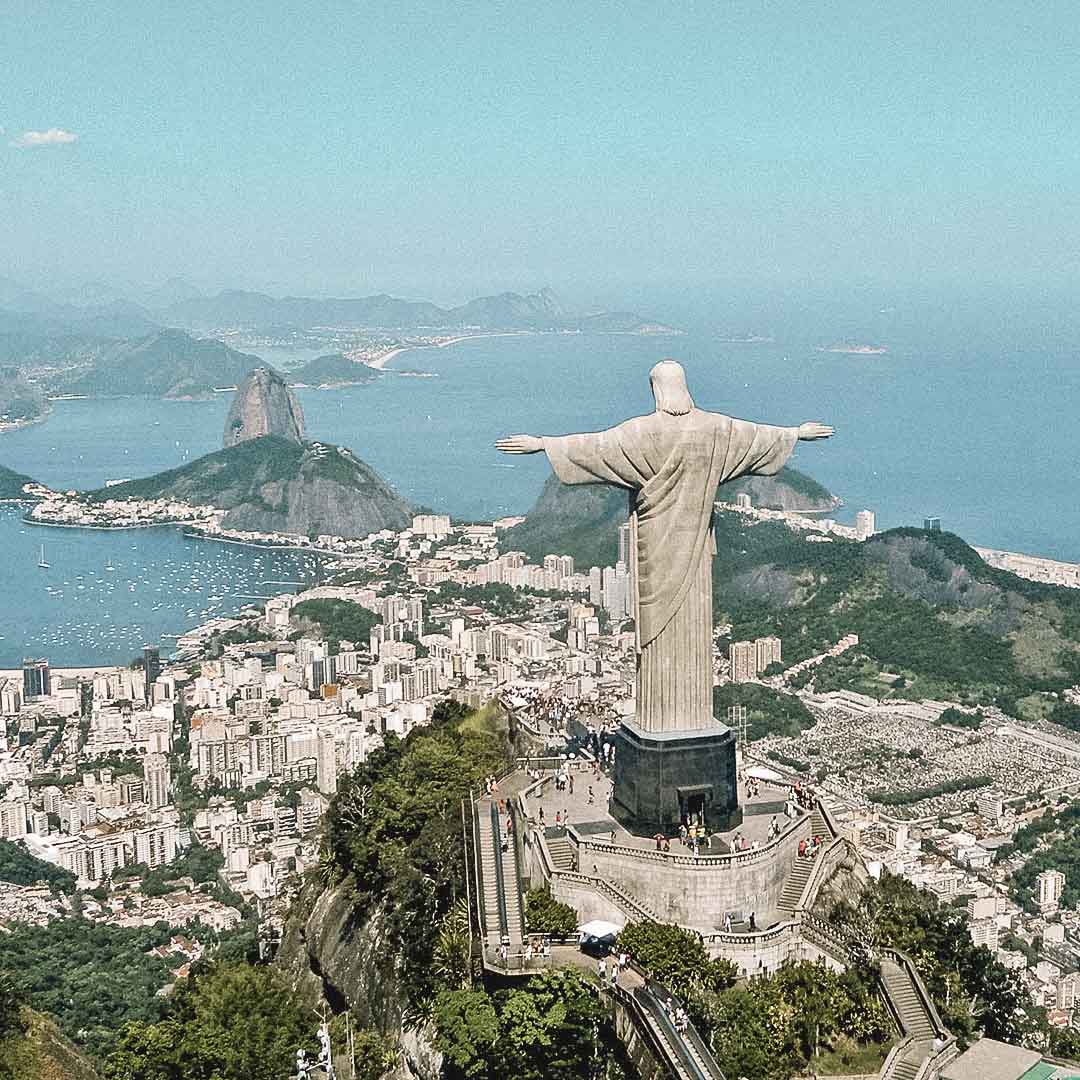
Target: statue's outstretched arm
<point x="812" y="429"/>
<point x="520" y="444"/>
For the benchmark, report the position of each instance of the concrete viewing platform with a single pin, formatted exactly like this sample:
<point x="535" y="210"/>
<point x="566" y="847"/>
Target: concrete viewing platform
<point x="588" y="810"/>
<point x="739" y="881"/>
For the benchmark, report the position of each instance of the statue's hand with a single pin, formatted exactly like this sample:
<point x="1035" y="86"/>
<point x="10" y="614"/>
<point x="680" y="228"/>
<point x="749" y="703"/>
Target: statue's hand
<point x="813" y="430"/>
<point x="520" y="444"/>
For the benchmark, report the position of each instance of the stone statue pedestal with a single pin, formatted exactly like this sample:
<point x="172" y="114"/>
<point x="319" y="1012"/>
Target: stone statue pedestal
<point x="661" y="778"/>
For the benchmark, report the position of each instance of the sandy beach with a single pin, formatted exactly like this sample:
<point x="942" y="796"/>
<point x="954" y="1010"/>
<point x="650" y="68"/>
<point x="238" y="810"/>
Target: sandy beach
<point x="380" y="362"/>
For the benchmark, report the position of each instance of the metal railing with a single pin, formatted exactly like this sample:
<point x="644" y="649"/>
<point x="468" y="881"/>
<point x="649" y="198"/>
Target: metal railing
<point x="694" y="1055"/>
<point x="500" y="887"/>
<point x="908" y="967"/>
<point x="895" y="1054"/>
<point x="790" y="835"/>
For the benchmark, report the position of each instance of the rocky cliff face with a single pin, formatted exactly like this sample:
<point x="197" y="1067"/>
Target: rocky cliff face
<point x="272" y="484"/>
<point x="330" y="952"/>
<point x="330" y="493"/>
<point x="263" y="405"/>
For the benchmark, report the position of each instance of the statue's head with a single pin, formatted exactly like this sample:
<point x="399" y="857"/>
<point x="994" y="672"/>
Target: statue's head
<point x="668" y="382"/>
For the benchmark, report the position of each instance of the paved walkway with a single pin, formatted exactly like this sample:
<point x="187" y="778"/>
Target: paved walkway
<point x="587" y="808"/>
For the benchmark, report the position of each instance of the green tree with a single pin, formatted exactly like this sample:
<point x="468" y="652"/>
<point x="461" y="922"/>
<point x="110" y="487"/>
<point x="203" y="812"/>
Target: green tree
<point x="549" y="1029"/>
<point x="546" y="915"/>
<point x="145" y="1052"/>
<point x="676" y="958"/>
<point x="750" y="1032"/>
<point x="11" y="1005"/>
<point x="452" y="959"/>
<point x="467" y="1027"/>
<point x="233" y="1022"/>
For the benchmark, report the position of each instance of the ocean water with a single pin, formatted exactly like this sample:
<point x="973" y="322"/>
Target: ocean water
<point x="980" y="438"/>
<point x="106" y="593"/>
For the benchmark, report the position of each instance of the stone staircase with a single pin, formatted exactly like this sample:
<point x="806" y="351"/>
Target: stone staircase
<point x="797" y="878"/>
<point x="906" y="1001"/>
<point x="687" y="1054"/>
<point x="819" y="826"/>
<point x="489" y="875"/>
<point x="915" y="1022"/>
<point x="515" y="917"/>
<point x="561" y="851"/>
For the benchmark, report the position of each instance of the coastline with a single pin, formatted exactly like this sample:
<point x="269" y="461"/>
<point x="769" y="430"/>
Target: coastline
<point x="380" y="362"/>
<point x="15" y="425"/>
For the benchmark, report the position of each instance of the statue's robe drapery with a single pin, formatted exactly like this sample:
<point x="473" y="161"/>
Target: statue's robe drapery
<point x="672" y="466"/>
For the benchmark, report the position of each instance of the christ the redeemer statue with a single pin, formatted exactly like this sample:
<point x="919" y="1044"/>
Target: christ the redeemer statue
<point x="671" y="463"/>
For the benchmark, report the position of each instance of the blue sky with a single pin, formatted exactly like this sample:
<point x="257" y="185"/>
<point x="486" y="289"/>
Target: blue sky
<point x="447" y="149"/>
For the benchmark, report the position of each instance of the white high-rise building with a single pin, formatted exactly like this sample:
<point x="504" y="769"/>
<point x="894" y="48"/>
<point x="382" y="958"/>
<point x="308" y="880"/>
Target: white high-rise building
<point x="157" y="845"/>
<point x="625" y="539"/>
<point x="616" y="591"/>
<point x="742" y="656"/>
<point x="157" y="779"/>
<point x="991" y="805"/>
<point x="432" y="525"/>
<point x="766" y="652"/>
<point x="326" y="760"/>
<point x="1049" y="885"/>
<point x="865" y="526"/>
<point x="13" y="818"/>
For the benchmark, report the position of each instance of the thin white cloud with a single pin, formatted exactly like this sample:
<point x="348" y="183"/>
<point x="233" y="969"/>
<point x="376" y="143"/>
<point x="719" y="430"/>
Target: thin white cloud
<point x="52" y="137"/>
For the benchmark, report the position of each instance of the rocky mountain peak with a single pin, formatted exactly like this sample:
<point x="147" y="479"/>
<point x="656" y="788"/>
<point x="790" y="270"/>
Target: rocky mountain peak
<point x="263" y="405"/>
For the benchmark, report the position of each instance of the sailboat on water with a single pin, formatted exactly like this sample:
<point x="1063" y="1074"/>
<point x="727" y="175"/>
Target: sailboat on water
<point x="41" y="560"/>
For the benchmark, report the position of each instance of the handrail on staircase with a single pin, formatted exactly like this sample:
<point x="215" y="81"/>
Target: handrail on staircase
<point x="679" y="1041"/>
<point x="481" y="904"/>
<point x="827" y="814"/>
<point x="907" y="965"/>
<point x="640" y="1019"/>
<point x="517" y="837"/>
<point x="500" y="888"/>
<point x="893" y="1056"/>
<point x="816" y="877"/>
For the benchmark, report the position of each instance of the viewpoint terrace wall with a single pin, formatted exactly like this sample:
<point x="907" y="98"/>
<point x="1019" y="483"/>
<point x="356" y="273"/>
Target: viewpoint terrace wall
<point x="696" y="892"/>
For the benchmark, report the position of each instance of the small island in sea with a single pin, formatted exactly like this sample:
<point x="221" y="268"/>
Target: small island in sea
<point x="854" y="350"/>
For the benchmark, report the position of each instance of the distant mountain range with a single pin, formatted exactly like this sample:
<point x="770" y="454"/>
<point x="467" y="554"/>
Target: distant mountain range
<point x="98" y="309"/>
<point x="93" y="341"/>
<point x="507" y="311"/>
<point x="166" y="363"/>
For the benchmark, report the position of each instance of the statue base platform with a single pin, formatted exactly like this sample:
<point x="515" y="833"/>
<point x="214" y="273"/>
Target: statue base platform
<point x="664" y="778"/>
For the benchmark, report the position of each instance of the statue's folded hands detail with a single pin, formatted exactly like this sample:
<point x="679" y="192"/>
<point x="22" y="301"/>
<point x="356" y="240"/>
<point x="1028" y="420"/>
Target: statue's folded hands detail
<point x="671" y="463"/>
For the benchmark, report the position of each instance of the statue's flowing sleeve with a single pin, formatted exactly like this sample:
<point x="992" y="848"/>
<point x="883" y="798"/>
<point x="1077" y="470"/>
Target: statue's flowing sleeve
<point x="761" y="449"/>
<point x="597" y="457"/>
